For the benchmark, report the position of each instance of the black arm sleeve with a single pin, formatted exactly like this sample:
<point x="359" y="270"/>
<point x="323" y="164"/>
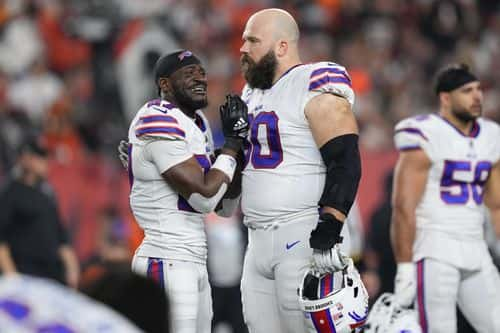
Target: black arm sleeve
<point x="343" y="163"/>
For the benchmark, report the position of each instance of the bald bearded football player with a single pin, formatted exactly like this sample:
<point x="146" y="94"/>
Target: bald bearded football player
<point x="302" y="171"/>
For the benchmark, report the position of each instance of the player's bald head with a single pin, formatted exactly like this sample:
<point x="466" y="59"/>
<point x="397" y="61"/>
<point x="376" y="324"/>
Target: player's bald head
<point x="276" y="22"/>
<point x="270" y="47"/>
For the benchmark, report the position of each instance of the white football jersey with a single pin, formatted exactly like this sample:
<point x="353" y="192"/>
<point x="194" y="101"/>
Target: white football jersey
<point x="451" y="207"/>
<point x="161" y="136"/>
<point x="285" y="174"/>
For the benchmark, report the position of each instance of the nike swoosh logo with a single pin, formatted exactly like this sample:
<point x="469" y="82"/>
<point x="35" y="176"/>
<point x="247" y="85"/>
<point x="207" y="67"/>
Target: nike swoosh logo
<point x="289" y="246"/>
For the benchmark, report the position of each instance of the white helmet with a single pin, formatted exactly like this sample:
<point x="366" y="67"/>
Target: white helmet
<point x="386" y="317"/>
<point x="334" y="302"/>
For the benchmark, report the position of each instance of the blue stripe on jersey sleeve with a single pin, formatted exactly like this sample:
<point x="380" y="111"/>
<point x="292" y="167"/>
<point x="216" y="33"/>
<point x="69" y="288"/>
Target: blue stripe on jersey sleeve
<point x="329" y="70"/>
<point x="155" y="118"/>
<point x="159" y="130"/>
<point x="412" y="130"/>
<point x="327" y="80"/>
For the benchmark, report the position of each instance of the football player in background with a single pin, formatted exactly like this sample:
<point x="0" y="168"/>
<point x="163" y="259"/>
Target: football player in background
<point x="302" y="172"/>
<point x="174" y="183"/>
<point x="449" y="165"/>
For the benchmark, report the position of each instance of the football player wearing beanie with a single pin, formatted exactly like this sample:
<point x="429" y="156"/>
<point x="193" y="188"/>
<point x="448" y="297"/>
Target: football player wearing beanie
<point x="176" y="179"/>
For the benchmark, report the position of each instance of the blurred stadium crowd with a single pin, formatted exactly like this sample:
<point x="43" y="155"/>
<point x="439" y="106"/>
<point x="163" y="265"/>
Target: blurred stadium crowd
<point x="77" y="71"/>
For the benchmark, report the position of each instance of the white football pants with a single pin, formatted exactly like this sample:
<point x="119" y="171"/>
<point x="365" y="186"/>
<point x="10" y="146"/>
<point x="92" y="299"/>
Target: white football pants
<point x="440" y="286"/>
<point x="275" y="263"/>
<point x="187" y="288"/>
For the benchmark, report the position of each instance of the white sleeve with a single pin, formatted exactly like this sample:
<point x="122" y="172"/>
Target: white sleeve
<point x="409" y="135"/>
<point x="226" y="164"/>
<point x="330" y="78"/>
<point x="206" y="205"/>
<point x="164" y="154"/>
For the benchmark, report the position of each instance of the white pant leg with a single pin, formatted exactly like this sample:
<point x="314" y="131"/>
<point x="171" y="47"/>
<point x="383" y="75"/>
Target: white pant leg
<point x="181" y="280"/>
<point x="479" y="297"/>
<point x="258" y="295"/>
<point x="205" y="308"/>
<point x="275" y="263"/>
<point x="290" y="269"/>
<point x="437" y="292"/>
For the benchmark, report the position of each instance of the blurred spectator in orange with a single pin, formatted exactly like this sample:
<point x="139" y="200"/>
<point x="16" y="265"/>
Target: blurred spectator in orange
<point x="64" y="51"/>
<point x="60" y="134"/>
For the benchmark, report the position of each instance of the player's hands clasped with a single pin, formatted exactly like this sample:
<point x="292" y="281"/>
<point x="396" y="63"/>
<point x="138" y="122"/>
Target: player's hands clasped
<point x="405" y="284"/>
<point x="123" y="153"/>
<point x="234" y="118"/>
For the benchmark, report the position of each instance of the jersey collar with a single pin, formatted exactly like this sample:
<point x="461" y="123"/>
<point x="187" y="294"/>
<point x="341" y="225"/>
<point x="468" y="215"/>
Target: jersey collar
<point x="474" y="132"/>
<point x="284" y="74"/>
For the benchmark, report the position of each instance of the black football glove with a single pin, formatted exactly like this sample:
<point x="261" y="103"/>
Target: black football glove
<point x="327" y="232"/>
<point x="234" y="118"/>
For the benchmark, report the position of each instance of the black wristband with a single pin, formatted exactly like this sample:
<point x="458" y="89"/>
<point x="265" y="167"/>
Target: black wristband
<point x="327" y="232"/>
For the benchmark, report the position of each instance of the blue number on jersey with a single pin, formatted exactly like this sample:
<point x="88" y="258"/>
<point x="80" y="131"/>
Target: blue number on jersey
<point x="449" y="181"/>
<point x="254" y="150"/>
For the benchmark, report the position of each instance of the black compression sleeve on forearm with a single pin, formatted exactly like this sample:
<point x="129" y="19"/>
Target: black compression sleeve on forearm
<point x="343" y="163"/>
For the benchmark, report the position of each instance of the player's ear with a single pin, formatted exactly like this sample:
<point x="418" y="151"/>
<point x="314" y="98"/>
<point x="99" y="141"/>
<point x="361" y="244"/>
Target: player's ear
<point x="444" y="98"/>
<point x="164" y="84"/>
<point x="281" y="48"/>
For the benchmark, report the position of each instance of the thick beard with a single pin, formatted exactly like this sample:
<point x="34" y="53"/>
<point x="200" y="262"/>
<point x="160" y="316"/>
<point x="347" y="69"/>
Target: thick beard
<point x="260" y="74"/>
<point x="463" y="115"/>
<point x="185" y="101"/>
